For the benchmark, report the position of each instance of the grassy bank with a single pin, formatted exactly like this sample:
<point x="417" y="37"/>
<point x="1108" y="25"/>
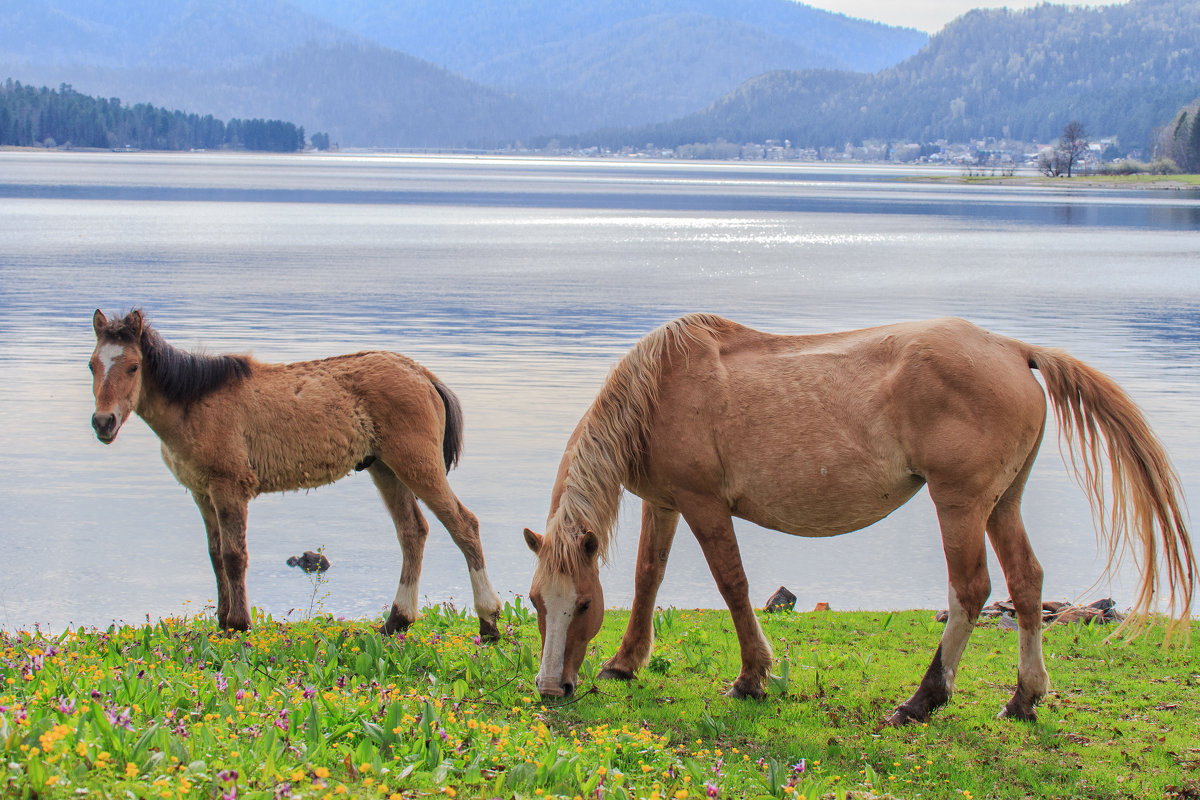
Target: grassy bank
<point x="327" y="708"/>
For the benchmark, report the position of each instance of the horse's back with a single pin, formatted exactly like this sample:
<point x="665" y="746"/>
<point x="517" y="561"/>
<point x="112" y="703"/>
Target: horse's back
<point x="827" y="433"/>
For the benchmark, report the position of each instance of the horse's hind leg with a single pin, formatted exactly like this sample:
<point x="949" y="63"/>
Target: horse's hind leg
<point x="658" y="532"/>
<point x="213" y="529"/>
<point x="966" y="560"/>
<point x="411" y="531"/>
<point x="430" y="485"/>
<point x="1024" y="576"/>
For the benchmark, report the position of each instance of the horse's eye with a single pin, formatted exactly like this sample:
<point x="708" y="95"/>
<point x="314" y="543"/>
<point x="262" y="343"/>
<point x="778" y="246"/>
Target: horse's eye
<point x="91" y="367"/>
<point x="584" y="606"/>
<point x="133" y="368"/>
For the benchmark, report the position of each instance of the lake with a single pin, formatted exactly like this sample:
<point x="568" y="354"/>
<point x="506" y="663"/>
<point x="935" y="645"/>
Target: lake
<point x="520" y="282"/>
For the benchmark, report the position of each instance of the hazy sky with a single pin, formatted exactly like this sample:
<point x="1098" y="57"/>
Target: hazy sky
<point x="926" y="15"/>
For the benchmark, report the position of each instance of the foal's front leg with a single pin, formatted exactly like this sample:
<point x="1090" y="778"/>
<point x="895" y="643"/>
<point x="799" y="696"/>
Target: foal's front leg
<point x="213" y="529"/>
<point x="231" y="509"/>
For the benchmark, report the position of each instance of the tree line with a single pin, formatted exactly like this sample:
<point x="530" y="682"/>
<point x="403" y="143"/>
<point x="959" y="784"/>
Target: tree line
<point x="1179" y="141"/>
<point x="31" y="116"/>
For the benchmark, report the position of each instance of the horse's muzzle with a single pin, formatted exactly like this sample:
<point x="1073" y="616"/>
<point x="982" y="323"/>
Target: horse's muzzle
<point x="105" y="426"/>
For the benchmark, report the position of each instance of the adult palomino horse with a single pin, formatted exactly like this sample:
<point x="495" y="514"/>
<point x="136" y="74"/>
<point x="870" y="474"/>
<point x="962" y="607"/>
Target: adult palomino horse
<point x="821" y="435"/>
<point x="233" y="428"/>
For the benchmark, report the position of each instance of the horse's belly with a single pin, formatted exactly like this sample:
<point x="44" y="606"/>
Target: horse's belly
<point x="828" y="509"/>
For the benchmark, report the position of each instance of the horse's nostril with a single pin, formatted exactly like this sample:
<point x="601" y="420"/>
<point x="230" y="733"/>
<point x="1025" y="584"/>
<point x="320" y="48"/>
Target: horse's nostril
<point x="568" y="689"/>
<point x="103" y="422"/>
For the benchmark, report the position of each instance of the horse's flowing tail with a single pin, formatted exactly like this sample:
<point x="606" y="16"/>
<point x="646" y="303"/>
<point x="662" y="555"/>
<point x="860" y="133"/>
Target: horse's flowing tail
<point x="452" y="438"/>
<point x="1145" y="488"/>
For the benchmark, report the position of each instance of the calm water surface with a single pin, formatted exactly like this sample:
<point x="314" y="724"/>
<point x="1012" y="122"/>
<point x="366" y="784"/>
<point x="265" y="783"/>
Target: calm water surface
<point x="521" y="282"/>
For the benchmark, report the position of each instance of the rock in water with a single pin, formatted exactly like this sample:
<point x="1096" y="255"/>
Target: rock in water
<point x="309" y="562"/>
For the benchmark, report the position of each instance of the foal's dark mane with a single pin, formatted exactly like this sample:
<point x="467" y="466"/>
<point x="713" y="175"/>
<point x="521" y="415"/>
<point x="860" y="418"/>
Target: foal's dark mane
<point x="181" y="376"/>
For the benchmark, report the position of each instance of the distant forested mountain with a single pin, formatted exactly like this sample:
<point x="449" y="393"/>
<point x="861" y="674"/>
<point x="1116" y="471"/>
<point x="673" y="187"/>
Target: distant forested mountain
<point x="621" y="62"/>
<point x="416" y="73"/>
<point x="194" y="35"/>
<point x="1121" y="69"/>
<point x="40" y="116"/>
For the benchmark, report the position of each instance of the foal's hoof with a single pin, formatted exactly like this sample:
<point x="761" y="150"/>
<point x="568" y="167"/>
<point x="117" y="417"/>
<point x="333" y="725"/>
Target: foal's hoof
<point x="744" y="689"/>
<point x="395" y="623"/>
<point x="235" y="624"/>
<point x="615" y="674"/>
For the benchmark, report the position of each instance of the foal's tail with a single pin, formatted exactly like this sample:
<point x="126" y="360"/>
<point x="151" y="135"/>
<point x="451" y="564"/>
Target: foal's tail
<point x="1145" y="488"/>
<point x="452" y="438"/>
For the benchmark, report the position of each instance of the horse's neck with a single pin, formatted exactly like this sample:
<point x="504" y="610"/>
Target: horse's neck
<point x="587" y="491"/>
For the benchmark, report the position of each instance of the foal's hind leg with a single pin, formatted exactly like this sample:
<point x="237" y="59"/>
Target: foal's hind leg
<point x="1024" y="576"/>
<point x="658" y="531"/>
<point x="213" y="529"/>
<point x="429" y="483"/>
<point x="411" y="530"/>
<point x="966" y="560"/>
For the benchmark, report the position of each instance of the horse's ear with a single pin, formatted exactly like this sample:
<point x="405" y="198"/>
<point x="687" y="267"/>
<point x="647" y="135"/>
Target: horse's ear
<point x="591" y="544"/>
<point x="99" y="321"/>
<point x="533" y="540"/>
<point x="134" y="321"/>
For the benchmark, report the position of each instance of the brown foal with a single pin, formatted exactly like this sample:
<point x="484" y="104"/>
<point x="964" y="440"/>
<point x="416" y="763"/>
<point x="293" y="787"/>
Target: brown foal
<point x="233" y="428"/>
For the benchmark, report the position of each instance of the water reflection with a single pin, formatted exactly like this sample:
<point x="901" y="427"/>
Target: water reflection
<point x="522" y="306"/>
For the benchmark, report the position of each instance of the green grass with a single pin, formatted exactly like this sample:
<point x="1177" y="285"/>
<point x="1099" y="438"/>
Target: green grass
<point x="325" y="708"/>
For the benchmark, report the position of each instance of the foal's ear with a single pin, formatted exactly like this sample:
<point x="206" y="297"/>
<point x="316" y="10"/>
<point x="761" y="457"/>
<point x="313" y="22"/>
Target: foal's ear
<point x="533" y="540"/>
<point x="99" y="321"/>
<point x="134" y="321"/>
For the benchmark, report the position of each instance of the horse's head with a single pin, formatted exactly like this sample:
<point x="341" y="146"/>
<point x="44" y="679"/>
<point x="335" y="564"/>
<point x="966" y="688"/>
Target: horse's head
<point x="569" y="600"/>
<point x="116" y="366"/>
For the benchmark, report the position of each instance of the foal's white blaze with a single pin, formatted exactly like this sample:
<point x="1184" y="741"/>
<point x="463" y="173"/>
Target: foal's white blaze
<point x="558" y="596"/>
<point x="108" y="354"/>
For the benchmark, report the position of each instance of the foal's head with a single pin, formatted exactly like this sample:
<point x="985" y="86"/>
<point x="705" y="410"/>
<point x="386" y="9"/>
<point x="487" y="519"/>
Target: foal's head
<point x="569" y="600"/>
<point x="116" y="366"/>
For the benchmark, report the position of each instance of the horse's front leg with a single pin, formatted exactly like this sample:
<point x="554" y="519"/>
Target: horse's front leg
<point x="713" y="527"/>
<point x="658" y="532"/>
<point x="231" y="506"/>
<point x="213" y="529"/>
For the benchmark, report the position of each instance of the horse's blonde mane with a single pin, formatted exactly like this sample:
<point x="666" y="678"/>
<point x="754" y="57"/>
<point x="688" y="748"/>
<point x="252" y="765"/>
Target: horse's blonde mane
<point x="610" y="442"/>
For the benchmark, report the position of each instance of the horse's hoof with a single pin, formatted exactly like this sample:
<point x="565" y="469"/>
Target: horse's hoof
<point x="615" y="674"/>
<point x="1018" y="711"/>
<point x="488" y="632"/>
<point x="741" y="691"/>
<point x="901" y="717"/>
